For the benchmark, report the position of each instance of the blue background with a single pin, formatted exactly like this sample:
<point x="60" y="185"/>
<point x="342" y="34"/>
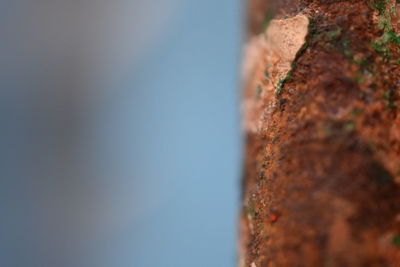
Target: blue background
<point x="146" y="170"/>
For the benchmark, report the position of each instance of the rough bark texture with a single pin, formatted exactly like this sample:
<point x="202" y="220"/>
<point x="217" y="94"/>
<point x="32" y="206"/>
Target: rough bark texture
<point x="322" y="172"/>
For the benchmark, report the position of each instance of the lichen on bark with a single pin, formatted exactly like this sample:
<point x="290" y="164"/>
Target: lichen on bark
<point x="322" y="171"/>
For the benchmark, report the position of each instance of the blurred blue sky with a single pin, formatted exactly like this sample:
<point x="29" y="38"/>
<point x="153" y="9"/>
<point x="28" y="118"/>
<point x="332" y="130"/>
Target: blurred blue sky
<point x="159" y="134"/>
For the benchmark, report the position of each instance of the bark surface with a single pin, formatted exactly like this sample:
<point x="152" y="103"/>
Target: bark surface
<point x="322" y="171"/>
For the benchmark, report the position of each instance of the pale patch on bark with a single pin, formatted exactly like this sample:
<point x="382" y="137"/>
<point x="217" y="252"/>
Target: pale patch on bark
<point x="268" y="59"/>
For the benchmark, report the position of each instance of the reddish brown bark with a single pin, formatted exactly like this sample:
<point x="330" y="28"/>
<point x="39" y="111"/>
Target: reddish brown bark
<point x="322" y="174"/>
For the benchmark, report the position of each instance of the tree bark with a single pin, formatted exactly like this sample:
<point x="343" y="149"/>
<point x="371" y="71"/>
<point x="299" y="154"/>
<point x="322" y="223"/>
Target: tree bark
<point x="322" y="166"/>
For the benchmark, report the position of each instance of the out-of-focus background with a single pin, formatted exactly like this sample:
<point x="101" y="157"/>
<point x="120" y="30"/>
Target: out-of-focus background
<point x="120" y="139"/>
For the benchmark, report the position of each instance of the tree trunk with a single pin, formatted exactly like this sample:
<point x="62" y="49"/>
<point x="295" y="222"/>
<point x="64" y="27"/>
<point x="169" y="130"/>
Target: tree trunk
<point x="322" y="119"/>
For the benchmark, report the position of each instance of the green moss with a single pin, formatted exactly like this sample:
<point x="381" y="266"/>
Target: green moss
<point x="396" y="241"/>
<point x="390" y="105"/>
<point x="288" y="76"/>
<point x="379" y="174"/>
<point x="338" y="40"/>
<point x="360" y="78"/>
<point x="360" y="62"/>
<point x="393" y="10"/>
<point x="382" y="44"/>
<point x="389" y="37"/>
<point x="301" y="51"/>
<point x="388" y="96"/>
<point x="281" y="82"/>
<point x="312" y="27"/>
<point x="346" y="50"/>
<point x="382" y="49"/>
<point x="379" y="5"/>
<point x="347" y="53"/>
<point x="364" y="70"/>
<point x="349" y="126"/>
<point x="279" y="86"/>
<point x="356" y="112"/>
<point x="384" y="22"/>
<point x="334" y="34"/>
